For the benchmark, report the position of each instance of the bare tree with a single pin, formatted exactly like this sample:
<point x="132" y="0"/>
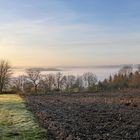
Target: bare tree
<point x="59" y="81"/>
<point x="5" y="74"/>
<point x="18" y="82"/>
<point x="70" y="81"/>
<point x="48" y="82"/>
<point x="34" y="77"/>
<point x="79" y="83"/>
<point x="90" y="78"/>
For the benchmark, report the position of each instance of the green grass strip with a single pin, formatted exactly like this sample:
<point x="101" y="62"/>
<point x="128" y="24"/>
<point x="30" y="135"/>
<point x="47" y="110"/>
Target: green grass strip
<point x="16" y="122"/>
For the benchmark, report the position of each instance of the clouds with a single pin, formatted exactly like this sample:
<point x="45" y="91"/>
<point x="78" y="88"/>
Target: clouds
<point x="60" y="32"/>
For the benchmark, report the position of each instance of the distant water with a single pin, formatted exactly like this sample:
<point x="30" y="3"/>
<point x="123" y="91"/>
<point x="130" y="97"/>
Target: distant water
<point x="101" y="73"/>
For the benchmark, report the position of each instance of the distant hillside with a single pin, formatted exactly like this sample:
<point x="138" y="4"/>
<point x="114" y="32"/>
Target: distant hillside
<point x="44" y="69"/>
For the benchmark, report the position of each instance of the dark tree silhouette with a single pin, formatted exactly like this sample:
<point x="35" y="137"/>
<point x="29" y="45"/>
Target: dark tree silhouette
<point x="5" y="74"/>
<point x="34" y="77"/>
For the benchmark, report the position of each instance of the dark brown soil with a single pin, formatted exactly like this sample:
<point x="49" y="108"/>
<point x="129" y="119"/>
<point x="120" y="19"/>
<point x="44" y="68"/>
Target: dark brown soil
<point x="101" y="116"/>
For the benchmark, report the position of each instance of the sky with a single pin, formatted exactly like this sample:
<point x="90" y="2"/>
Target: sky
<point x="70" y="32"/>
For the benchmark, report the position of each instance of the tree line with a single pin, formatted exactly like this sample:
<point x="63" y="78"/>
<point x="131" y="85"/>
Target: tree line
<point x="126" y="78"/>
<point x="36" y="82"/>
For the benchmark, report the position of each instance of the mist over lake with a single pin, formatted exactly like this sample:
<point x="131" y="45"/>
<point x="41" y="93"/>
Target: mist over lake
<point x="101" y="72"/>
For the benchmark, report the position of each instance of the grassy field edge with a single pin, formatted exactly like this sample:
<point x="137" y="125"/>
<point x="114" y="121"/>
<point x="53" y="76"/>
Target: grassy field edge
<point x="16" y="122"/>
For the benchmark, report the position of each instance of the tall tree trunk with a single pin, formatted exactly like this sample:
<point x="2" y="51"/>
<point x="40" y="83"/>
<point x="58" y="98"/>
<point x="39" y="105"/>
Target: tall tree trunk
<point x="1" y="88"/>
<point x="36" y="89"/>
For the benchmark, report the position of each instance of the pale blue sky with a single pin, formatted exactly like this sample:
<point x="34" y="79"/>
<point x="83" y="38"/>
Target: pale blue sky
<point x="70" y="32"/>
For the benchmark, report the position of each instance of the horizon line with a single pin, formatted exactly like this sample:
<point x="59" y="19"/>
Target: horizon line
<point x="78" y="66"/>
